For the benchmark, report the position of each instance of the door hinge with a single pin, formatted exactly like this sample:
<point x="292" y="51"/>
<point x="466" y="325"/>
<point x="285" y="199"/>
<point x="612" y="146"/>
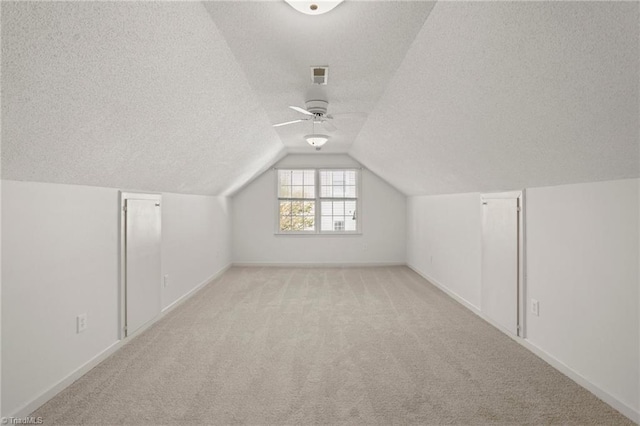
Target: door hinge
<point x="124" y="208"/>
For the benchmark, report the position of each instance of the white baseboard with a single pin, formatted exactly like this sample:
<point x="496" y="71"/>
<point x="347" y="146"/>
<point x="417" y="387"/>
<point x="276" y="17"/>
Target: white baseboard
<point x="473" y="308"/>
<point x="318" y="264"/>
<point x="626" y="410"/>
<point x="197" y="288"/>
<point x="34" y="404"/>
<point x="630" y="412"/>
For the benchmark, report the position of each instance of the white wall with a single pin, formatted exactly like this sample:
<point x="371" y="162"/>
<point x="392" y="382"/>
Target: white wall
<point x="60" y="259"/>
<point x="581" y="249"/>
<point x="444" y="242"/>
<point x="582" y="266"/>
<point x="382" y="220"/>
<point x="196" y="241"/>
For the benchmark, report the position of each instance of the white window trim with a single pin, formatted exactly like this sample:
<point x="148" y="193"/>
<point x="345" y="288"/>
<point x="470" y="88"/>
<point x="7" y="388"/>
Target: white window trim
<point x="318" y="200"/>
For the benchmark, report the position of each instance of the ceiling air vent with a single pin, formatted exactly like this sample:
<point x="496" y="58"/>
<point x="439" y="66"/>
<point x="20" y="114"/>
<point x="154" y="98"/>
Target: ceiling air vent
<point x="319" y="75"/>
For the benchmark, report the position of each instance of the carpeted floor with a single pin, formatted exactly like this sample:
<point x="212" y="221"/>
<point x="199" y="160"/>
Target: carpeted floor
<point x="324" y="346"/>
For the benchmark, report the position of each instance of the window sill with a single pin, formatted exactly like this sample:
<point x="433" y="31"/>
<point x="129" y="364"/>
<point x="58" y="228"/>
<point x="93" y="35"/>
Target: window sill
<point x="318" y="234"/>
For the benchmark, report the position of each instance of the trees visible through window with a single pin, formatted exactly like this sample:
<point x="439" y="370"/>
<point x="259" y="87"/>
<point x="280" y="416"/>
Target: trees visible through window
<point x="297" y="198"/>
<point x="301" y="191"/>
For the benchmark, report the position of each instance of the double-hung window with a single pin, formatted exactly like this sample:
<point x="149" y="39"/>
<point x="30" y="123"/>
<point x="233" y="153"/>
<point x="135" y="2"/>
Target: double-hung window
<point x="314" y="201"/>
<point x="338" y="200"/>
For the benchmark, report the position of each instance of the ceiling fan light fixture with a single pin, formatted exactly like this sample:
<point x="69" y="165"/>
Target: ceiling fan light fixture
<point x="316" y="139"/>
<point x="315" y="7"/>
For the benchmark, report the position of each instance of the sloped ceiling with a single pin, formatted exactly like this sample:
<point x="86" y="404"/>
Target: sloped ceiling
<point x="144" y="96"/>
<point x="456" y="97"/>
<point x="508" y="95"/>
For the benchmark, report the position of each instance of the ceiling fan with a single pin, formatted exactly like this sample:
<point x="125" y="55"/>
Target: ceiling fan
<point x="316" y="111"/>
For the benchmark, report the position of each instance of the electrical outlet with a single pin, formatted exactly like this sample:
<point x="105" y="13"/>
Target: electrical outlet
<point x="535" y="307"/>
<point x="165" y="281"/>
<point x="81" y="323"/>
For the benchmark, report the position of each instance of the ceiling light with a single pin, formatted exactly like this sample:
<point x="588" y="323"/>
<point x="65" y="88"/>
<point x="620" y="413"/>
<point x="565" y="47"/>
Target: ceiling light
<point x="317" y="7"/>
<point x="316" y="139"/>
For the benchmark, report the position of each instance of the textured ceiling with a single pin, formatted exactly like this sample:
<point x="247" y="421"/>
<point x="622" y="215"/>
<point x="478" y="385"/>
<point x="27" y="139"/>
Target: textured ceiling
<point x="143" y="95"/>
<point x="456" y="97"/>
<point x="508" y="95"/>
<point x="363" y="43"/>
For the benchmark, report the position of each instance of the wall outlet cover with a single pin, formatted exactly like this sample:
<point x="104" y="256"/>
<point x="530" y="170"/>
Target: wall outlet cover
<point x="535" y="307"/>
<point x="81" y="323"/>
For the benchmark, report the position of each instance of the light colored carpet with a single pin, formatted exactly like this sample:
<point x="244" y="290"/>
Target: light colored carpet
<point x="324" y="346"/>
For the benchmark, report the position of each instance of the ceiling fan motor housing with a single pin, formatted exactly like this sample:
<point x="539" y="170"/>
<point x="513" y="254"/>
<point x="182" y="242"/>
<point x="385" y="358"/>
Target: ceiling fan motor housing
<point x="317" y="106"/>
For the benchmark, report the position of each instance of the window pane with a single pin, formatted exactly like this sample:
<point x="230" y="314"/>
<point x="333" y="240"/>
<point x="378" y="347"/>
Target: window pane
<point x="297" y="207"/>
<point x="309" y="208"/>
<point x="284" y="192"/>
<point x="309" y="218"/>
<point x="297" y="191"/>
<point x="297" y="223"/>
<point x="296" y="177"/>
<point x="338" y="208"/>
<point x="350" y="224"/>
<point x="350" y="207"/>
<point x="325" y="191"/>
<point x="338" y="178"/>
<point x="284" y="177"/>
<point x="327" y="208"/>
<point x="285" y="208"/>
<point x="309" y="177"/>
<point x="326" y="178"/>
<point x="285" y="223"/>
<point x="284" y="183"/>
<point x="350" y="192"/>
<point x="309" y="191"/>
<point x="350" y="177"/>
<point x="327" y="223"/>
<point x="338" y="183"/>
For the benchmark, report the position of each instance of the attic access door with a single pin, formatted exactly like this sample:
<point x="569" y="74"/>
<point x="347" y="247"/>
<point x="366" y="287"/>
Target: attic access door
<point x="141" y="260"/>
<point x="502" y="295"/>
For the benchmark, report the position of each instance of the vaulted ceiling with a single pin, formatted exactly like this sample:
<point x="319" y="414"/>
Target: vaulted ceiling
<point x="450" y="96"/>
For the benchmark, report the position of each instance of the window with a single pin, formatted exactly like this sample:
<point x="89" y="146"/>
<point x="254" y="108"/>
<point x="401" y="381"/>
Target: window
<point x="338" y="200"/>
<point x="317" y="201"/>
<point x="297" y="200"/>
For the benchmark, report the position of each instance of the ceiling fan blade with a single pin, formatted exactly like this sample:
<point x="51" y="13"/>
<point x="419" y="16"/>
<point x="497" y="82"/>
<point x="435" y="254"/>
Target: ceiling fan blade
<point x="287" y="122"/>
<point x="302" y="110"/>
<point x="329" y="126"/>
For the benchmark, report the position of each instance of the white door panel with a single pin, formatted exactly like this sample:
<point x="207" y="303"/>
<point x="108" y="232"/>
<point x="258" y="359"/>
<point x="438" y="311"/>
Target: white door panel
<point x="500" y="262"/>
<point x="142" y="262"/>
